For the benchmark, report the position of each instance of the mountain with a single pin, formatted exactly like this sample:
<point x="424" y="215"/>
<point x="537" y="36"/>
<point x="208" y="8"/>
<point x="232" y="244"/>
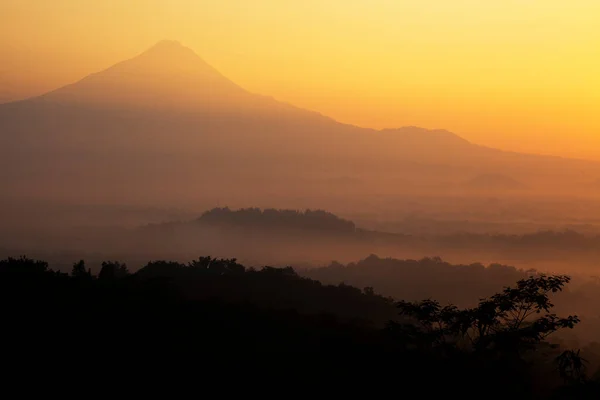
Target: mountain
<point x="167" y="76"/>
<point x="413" y="136"/>
<point x="494" y="182"/>
<point x="167" y="127"/>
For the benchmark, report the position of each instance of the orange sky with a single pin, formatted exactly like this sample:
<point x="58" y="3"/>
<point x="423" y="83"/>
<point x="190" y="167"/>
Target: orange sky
<point x="515" y="74"/>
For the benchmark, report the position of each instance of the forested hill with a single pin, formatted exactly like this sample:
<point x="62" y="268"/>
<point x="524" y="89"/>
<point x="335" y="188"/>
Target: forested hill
<point x="315" y="220"/>
<point x="223" y="316"/>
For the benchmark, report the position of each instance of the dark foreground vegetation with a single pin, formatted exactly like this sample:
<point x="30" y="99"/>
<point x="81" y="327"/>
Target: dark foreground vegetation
<point x="463" y="285"/>
<point x="218" y="315"/>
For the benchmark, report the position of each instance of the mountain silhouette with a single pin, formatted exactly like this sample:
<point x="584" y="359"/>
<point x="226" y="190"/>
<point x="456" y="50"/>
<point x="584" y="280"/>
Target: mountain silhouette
<point x="164" y="74"/>
<point x="167" y="125"/>
<point x="415" y="136"/>
<point x="167" y="76"/>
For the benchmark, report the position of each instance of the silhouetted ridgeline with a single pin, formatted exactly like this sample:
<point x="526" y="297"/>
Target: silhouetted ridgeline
<point x="413" y="280"/>
<point x="255" y="230"/>
<point x="219" y="314"/>
<point x="256" y="218"/>
<point x="462" y="285"/>
<point x="211" y="310"/>
<point x="281" y="288"/>
<point x="259" y="237"/>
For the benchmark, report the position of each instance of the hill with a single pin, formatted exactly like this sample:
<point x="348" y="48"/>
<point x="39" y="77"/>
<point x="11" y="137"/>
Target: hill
<point x="270" y="219"/>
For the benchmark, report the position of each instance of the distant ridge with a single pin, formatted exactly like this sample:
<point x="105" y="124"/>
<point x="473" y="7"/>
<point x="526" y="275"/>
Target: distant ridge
<point x="268" y="219"/>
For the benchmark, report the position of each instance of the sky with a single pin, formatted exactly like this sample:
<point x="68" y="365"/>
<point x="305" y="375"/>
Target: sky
<point x="518" y="75"/>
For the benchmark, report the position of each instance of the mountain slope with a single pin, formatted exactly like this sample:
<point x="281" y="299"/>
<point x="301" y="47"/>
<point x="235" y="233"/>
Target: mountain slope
<point x="494" y="182"/>
<point x="166" y="124"/>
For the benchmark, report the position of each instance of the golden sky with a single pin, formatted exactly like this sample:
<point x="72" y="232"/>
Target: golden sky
<point x="516" y="74"/>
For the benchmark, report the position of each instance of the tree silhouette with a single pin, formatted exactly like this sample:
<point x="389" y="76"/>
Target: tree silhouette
<point x="79" y="271"/>
<point x="572" y="366"/>
<point x="112" y="270"/>
<point x="506" y="324"/>
<point x="23" y="265"/>
<point x="216" y="309"/>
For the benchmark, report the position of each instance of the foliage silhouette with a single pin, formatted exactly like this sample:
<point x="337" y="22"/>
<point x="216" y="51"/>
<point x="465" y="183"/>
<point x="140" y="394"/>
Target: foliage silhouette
<point x="79" y="271"/>
<point x="112" y="270"/>
<point x="273" y="320"/>
<point x="508" y="323"/>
